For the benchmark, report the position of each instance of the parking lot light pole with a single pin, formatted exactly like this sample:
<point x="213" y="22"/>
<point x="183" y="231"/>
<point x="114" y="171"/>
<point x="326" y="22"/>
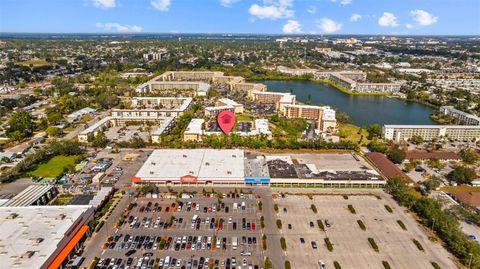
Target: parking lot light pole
<point x="470" y="261"/>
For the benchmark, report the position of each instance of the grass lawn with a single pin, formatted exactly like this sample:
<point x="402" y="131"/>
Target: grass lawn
<point x="460" y="188"/>
<point x="62" y="199"/>
<point x="244" y="117"/>
<point x="351" y="134"/>
<point x="35" y="63"/>
<point x="54" y="167"/>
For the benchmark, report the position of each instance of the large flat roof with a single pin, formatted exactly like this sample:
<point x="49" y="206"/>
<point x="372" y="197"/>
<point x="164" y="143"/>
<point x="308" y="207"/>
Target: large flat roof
<point x="204" y="164"/>
<point x="34" y="229"/>
<point x="29" y="195"/>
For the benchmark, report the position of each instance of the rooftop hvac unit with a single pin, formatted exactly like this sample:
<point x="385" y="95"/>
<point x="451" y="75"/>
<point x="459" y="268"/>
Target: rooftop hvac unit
<point x="61" y="217"/>
<point x="27" y="255"/>
<point x="12" y="216"/>
<point x="184" y="155"/>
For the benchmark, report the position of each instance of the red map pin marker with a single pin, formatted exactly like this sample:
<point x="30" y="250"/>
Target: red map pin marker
<point x="226" y="121"/>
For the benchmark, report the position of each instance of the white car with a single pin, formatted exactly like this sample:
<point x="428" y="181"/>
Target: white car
<point x="322" y="264"/>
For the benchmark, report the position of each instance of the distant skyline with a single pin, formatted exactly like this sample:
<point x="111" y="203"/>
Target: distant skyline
<point x="399" y="17"/>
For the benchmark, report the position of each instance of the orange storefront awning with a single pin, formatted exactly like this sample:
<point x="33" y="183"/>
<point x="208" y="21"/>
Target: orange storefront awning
<point x="68" y="248"/>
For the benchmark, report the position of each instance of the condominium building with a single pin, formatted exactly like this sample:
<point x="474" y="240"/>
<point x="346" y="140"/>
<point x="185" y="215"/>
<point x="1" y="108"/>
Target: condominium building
<point x="155" y="107"/>
<point x="213" y="111"/>
<point x="250" y="88"/>
<point x="432" y="132"/>
<point x="296" y="71"/>
<point x="377" y="87"/>
<point x="276" y="98"/>
<point x="238" y="108"/>
<point x="155" y="56"/>
<point x="460" y="116"/>
<point x="165" y="125"/>
<point x="197" y="88"/>
<point x="324" y="116"/>
<point x="196" y="129"/>
<point x="207" y="76"/>
<point x="356" y="81"/>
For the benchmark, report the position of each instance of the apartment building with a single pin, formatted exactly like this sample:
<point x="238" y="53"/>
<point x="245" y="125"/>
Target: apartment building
<point x="432" y="132"/>
<point x="460" y="116"/>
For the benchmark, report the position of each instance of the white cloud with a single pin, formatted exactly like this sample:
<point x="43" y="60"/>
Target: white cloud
<point x="273" y="9"/>
<point x="388" y="20"/>
<point x="343" y="2"/>
<point x="292" y="27"/>
<point x="117" y="27"/>
<point x="355" y="17"/>
<point x="312" y="9"/>
<point x="162" y="5"/>
<point x="422" y="17"/>
<point x="328" y="25"/>
<point x="105" y="3"/>
<point x="228" y="3"/>
<point x="409" y="26"/>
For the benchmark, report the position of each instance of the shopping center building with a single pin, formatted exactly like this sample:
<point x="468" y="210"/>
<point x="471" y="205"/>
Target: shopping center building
<point x="237" y="167"/>
<point x="42" y="236"/>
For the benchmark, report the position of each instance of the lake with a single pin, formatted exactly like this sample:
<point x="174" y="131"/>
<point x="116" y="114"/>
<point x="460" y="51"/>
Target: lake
<point x="364" y="110"/>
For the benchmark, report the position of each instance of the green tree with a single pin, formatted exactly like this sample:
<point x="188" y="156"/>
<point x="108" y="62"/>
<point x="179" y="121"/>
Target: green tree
<point x="53" y="131"/>
<point x="462" y="175"/>
<point x="416" y="139"/>
<point x="377" y="145"/>
<point x="54" y="117"/>
<point x="100" y="140"/>
<point x="374" y="130"/>
<point x="469" y="156"/>
<point x="396" y="155"/>
<point x="20" y="125"/>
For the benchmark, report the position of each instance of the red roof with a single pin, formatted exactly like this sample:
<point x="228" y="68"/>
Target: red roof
<point x="385" y="166"/>
<point x="424" y="155"/>
<point x="467" y="197"/>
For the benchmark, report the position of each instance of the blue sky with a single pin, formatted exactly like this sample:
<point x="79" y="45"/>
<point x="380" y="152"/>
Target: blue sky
<point x="416" y="17"/>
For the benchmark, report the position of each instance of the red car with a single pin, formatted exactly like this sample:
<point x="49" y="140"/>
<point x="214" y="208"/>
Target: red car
<point x="253" y="226"/>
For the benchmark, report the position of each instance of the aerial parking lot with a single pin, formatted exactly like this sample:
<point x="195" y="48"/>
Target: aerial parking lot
<point x="353" y="231"/>
<point x="194" y="231"/>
